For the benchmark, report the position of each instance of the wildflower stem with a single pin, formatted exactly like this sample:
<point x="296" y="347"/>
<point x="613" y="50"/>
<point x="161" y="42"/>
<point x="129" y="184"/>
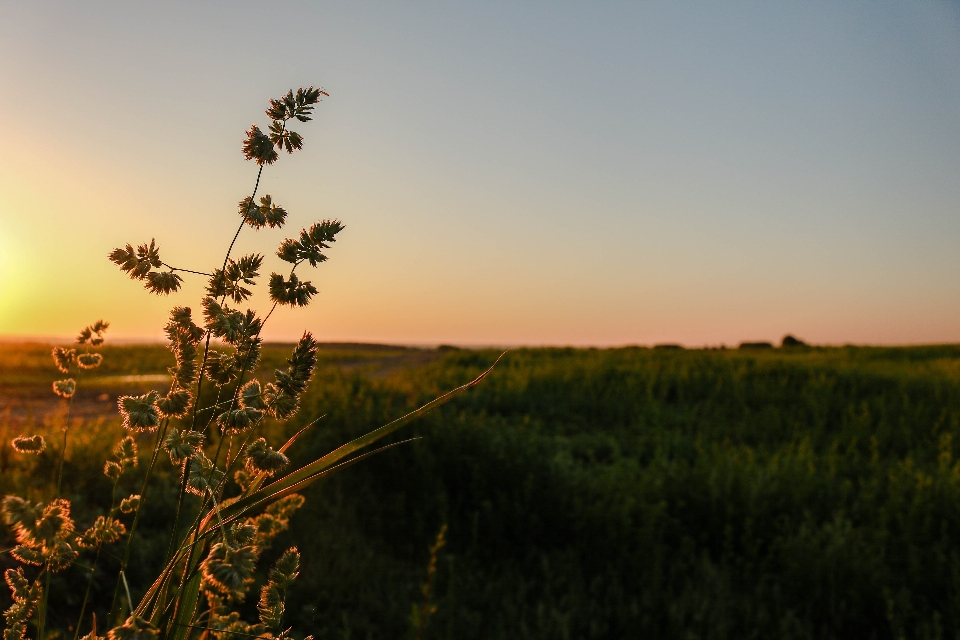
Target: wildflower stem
<point x="66" y="428"/>
<point x="203" y="364"/>
<point x="254" y="195"/>
<point x="176" y="519"/>
<point x="161" y="431"/>
<point x="93" y="571"/>
<point x="195" y="531"/>
<point x="199" y="273"/>
<point x="42" y="607"/>
<point x="206" y="353"/>
<point x="143" y="490"/>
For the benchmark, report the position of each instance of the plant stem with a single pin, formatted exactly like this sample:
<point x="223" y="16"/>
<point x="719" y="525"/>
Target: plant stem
<point x="176" y="520"/>
<point x="42" y="607"/>
<point x="199" y="273"/>
<point x="161" y="431"/>
<point x="96" y="560"/>
<point x="66" y="429"/>
<point x="143" y="490"/>
<point x="206" y="346"/>
<point x="232" y="242"/>
<point x="203" y="364"/>
<point x="194" y="530"/>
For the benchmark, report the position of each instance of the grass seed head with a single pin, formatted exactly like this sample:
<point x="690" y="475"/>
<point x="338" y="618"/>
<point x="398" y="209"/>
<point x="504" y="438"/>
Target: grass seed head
<point x="181" y="328"/>
<point x="130" y="504"/>
<point x="59" y="555"/>
<point x="242" y="534"/>
<point x="18" y="583"/>
<point x="112" y="469"/>
<point x="175" y="404"/>
<point x="291" y="292"/>
<point x="163" y="282"/>
<point x="202" y="475"/>
<point x="126" y="452"/>
<point x="252" y="214"/>
<point x="229" y="570"/>
<point x="28" y="555"/>
<point x="279" y="404"/>
<point x="257" y="146"/>
<point x="284" y="508"/>
<point x="89" y="360"/>
<point x="25" y="598"/>
<point x="63" y="358"/>
<point x="270" y="606"/>
<point x="28" y="444"/>
<point x="229" y="626"/>
<point x="140" y="412"/>
<point x="20" y="513"/>
<point x="65" y="388"/>
<point x="55" y="522"/>
<point x="251" y="396"/>
<point x="185" y="373"/>
<point x="180" y="445"/>
<point x="286" y="569"/>
<point x="105" y="530"/>
<point x="93" y="334"/>
<point x="239" y="420"/>
<point x="274" y="215"/>
<point x="262" y="458"/>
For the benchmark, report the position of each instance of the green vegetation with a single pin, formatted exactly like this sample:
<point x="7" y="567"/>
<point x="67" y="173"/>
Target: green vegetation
<point x="790" y="493"/>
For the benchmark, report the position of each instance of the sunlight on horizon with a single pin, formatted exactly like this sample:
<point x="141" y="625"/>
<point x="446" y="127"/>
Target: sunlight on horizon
<point x="507" y="175"/>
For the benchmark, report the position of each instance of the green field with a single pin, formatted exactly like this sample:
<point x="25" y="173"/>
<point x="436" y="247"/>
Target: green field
<point x="780" y="493"/>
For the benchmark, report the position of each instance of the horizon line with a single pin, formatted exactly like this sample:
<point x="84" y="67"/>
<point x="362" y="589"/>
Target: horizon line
<point x="128" y="341"/>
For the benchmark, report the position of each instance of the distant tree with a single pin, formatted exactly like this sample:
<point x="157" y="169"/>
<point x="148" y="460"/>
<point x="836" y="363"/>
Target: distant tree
<point x="756" y="345"/>
<point x="790" y="341"/>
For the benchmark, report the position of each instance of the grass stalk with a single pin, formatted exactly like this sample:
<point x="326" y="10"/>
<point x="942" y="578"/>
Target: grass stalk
<point x="96" y="560"/>
<point x="161" y="431"/>
<point x="66" y="430"/>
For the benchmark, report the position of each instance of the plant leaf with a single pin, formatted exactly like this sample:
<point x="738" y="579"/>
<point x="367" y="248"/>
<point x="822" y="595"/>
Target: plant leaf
<point x="311" y="472"/>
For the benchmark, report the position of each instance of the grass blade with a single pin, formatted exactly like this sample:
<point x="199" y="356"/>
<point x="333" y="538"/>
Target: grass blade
<point x="280" y="488"/>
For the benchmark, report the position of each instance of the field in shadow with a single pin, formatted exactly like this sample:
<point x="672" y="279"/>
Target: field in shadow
<point x="591" y="493"/>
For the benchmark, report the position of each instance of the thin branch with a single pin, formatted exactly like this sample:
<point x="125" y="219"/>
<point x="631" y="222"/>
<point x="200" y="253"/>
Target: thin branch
<point x="199" y="273"/>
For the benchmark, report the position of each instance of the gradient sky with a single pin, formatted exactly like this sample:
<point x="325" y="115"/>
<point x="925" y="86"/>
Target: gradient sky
<point x="509" y="173"/>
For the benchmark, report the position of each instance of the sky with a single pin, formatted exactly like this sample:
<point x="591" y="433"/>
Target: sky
<point x="508" y="173"/>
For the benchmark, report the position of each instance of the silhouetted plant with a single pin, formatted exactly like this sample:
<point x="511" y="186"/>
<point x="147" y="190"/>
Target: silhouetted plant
<point x="216" y="557"/>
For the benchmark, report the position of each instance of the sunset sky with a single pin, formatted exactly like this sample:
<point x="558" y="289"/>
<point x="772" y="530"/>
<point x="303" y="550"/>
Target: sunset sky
<point x="508" y="173"/>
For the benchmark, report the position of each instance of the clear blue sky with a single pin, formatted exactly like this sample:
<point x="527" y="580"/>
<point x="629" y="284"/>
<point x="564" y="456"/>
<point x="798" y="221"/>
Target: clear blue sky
<point x="509" y="173"/>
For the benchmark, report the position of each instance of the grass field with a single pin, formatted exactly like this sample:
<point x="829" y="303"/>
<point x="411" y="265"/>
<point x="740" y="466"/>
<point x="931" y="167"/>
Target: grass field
<point x="790" y="493"/>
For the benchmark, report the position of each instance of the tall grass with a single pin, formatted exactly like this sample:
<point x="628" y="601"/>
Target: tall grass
<point x="598" y="494"/>
<point x="234" y="493"/>
<point x="642" y="493"/>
